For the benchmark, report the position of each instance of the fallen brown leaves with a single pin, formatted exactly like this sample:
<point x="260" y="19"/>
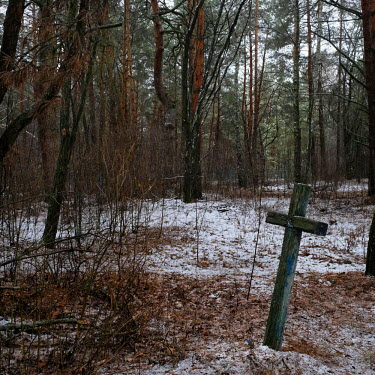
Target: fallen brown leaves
<point x="185" y="315"/>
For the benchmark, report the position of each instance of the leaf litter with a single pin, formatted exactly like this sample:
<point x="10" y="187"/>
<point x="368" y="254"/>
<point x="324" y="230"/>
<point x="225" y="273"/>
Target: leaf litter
<point x="199" y="282"/>
<point x="196" y="314"/>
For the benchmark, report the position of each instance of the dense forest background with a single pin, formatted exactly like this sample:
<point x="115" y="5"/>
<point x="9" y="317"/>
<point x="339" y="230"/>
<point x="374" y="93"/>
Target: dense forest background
<point x="144" y="98"/>
<point x="116" y="114"/>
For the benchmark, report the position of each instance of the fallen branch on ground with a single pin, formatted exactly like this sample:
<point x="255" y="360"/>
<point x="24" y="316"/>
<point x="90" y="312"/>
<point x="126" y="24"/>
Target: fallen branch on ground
<point x="41" y="323"/>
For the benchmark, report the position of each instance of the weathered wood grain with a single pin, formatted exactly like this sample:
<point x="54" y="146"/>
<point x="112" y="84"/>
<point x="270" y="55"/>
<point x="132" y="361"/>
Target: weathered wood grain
<point x="273" y="337"/>
<point x="297" y="222"/>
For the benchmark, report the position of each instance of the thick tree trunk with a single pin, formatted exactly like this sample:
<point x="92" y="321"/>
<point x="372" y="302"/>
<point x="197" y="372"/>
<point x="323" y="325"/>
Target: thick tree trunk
<point x="296" y="98"/>
<point x="158" y="57"/>
<point x="368" y="19"/>
<point x="16" y="126"/>
<point x="340" y="106"/>
<point x="308" y="173"/>
<point x="370" y="262"/>
<point x="191" y="118"/>
<point x="169" y="112"/>
<point x="11" y="27"/>
<point x="45" y="73"/>
<point x="255" y="120"/>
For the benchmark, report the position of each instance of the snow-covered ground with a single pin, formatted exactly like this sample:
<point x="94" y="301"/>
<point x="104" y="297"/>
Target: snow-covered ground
<point x="224" y="243"/>
<point x="223" y="239"/>
<point x="213" y="238"/>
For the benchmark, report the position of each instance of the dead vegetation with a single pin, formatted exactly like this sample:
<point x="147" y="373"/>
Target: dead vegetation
<point x="114" y="315"/>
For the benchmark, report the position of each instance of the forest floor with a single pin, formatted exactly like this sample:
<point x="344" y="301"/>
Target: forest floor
<point x="208" y="279"/>
<point x="208" y="319"/>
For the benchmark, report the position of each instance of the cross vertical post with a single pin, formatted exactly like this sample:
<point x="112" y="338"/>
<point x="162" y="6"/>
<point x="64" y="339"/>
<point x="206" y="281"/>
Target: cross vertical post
<point x="295" y="223"/>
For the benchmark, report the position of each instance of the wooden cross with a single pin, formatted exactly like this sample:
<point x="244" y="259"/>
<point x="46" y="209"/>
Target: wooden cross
<point x="295" y="223"/>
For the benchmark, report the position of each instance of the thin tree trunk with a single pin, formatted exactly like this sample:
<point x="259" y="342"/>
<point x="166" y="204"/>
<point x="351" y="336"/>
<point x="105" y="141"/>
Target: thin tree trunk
<point x="250" y="116"/>
<point x="339" y="107"/>
<point x="69" y="122"/>
<point x="348" y="92"/>
<point x="69" y="130"/>
<point x="322" y="145"/>
<point x="241" y="177"/>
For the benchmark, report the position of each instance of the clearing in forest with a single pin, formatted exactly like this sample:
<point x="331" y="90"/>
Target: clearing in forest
<point x="201" y="303"/>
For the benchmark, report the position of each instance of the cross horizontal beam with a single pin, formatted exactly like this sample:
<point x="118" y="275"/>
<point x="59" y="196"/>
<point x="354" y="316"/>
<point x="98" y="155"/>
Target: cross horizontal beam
<point x="297" y="222"/>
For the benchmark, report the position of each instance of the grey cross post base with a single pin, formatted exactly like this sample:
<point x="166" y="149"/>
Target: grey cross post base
<point x="295" y="223"/>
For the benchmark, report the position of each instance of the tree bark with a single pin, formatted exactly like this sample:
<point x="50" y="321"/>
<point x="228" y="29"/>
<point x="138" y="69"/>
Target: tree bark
<point x="12" y="27"/>
<point x="192" y="77"/>
<point x="370" y="261"/>
<point x="16" y="126"/>
<point x="45" y="73"/>
<point x="69" y="129"/>
<point x="168" y="106"/>
<point x="158" y="57"/>
<point x="368" y="20"/>
<point x="241" y="176"/>
<point x="322" y="143"/>
<point x="256" y="88"/>
<point x="339" y="130"/>
<point x="308" y="173"/>
<point x="296" y="97"/>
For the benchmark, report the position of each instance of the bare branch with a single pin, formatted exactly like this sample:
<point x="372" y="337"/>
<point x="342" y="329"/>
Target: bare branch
<point x="40" y="323"/>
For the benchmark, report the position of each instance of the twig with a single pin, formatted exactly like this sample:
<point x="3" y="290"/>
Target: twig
<point x="41" y="323"/>
<point x="256" y="243"/>
<point x="24" y="257"/>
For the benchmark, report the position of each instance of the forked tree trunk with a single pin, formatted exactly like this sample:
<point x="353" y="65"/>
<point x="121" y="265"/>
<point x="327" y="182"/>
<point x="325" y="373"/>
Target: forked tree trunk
<point x="69" y="123"/>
